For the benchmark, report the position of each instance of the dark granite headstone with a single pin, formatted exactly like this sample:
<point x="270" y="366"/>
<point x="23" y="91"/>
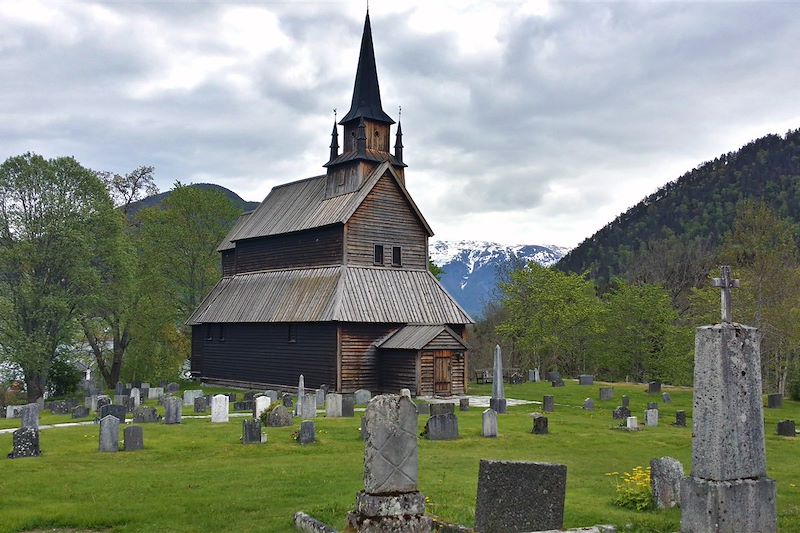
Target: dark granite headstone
<point x="251" y="431"/>
<point x="25" y="443"/>
<point x="231" y="397"/>
<point x="680" y="419"/>
<point x="520" y="496"/>
<point x="463" y="404"/>
<point x="307" y="433"/>
<point x="652" y="405"/>
<point x="585" y="379"/>
<point x="423" y="408"/>
<point x="143" y="415"/>
<point x="101" y="401"/>
<point x="200" y="404"/>
<point x="441" y="427"/>
<point x="287" y="400"/>
<point x="552" y="376"/>
<point x="626" y="402"/>
<point x="539" y="424"/>
<point x="113" y="410"/>
<point x="279" y="417"/>
<point x="654" y="387"/>
<point x="606" y="393"/>
<point x="621" y="413"/>
<point x="133" y="437"/>
<point x="774" y="401"/>
<point x="557" y="383"/>
<point x="498" y="405"/>
<point x="348" y="405"/>
<point x="243" y="406"/>
<point x="588" y="404"/>
<point x="363" y="428"/>
<point x="666" y="398"/>
<point x="172" y="388"/>
<point x="442" y="409"/>
<point x="548" y="404"/>
<point x="118" y="388"/>
<point x="786" y="428"/>
<point x="80" y="411"/>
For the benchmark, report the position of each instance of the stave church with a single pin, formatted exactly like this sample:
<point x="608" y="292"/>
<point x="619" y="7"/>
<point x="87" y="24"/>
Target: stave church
<point x="329" y="277"/>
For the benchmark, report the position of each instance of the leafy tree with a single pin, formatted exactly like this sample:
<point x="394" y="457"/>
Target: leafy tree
<point x="131" y="187"/>
<point x="56" y="221"/>
<point x="435" y="269"/>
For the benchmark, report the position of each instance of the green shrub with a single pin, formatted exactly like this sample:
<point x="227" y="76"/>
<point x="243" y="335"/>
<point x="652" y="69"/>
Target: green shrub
<point x="63" y="378"/>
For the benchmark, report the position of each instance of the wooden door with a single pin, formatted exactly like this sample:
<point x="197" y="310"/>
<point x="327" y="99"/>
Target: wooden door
<point x="442" y="381"/>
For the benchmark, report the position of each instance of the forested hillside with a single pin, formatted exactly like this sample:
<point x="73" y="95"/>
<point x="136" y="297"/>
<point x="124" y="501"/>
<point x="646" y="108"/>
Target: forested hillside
<point x="158" y="199"/>
<point x="700" y="205"/>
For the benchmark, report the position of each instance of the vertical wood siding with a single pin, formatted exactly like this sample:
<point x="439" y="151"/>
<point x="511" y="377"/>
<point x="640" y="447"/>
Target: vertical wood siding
<point x="196" y="360"/>
<point x="261" y="353"/>
<point x="386" y="218"/>
<point x="310" y="248"/>
<point x="397" y="370"/>
<point x="457" y="372"/>
<point x="229" y="262"/>
<point x="359" y="356"/>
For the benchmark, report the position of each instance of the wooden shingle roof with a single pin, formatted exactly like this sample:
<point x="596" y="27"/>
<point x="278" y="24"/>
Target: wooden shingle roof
<point x="226" y="243"/>
<point x="417" y="337"/>
<point x="344" y="294"/>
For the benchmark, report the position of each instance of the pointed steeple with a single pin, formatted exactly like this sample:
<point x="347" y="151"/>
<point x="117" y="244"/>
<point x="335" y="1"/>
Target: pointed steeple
<point x="366" y="93"/>
<point x="334" y="142"/>
<point x="398" y="144"/>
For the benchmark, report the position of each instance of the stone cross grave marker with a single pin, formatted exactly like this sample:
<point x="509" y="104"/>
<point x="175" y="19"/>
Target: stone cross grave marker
<point x="726" y="284"/>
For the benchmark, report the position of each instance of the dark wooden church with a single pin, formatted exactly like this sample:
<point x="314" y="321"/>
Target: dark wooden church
<point x="328" y="276"/>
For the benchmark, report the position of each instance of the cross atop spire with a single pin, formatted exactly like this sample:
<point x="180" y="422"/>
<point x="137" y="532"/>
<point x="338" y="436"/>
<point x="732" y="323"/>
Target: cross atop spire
<point x="366" y="93"/>
<point x="726" y="284"/>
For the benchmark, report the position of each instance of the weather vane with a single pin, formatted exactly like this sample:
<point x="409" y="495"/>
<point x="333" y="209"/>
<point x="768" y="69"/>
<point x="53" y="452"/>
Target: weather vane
<point x="726" y="284"/>
<point x="399" y="112"/>
<point x="334" y="114"/>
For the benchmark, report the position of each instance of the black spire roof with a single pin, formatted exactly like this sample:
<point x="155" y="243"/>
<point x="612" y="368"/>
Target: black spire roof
<point x="366" y="94"/>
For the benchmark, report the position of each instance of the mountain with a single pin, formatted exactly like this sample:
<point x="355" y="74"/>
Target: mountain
<point x="701" y="204"/>
<point x="156" y="199"/>
<point x="471" y="268"/>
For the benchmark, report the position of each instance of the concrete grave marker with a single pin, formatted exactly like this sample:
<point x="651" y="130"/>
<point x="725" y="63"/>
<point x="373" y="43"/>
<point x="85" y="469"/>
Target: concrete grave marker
<point x="155" y="393"/>
<point x="498" y="401"/>
<point x="133" y="438"/>
<point x="307" y="433"/>
<point x="190" y="395"/>
<point x="548" y="404"/>
<point x="143" y="414"/>
<point x="333" y="405"/>
<point x="320" y="397"/>
<point x="251" y="431"/>
<point x="631" y="423"/>
<point x="262" y="403"/>
<point x="489" y="423"/>
<point x="136" y="398"/>
<point x="172" y="410"/>
<point x="666" y="474"/>
<point x="540" y="425"/>
<point x="309" y="406"/>
<point x="651" y="418"/>
<point x="219" y="409"/>
<point x="362" y="396"/>
<point x="109" y="434"/>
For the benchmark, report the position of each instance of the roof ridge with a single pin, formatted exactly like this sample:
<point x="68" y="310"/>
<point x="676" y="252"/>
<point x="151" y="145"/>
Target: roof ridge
<point x="280" y="186"/>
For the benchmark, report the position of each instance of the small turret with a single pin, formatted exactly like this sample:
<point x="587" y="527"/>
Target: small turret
<point x="334" y="142"/>
<point x="398" y="144"/>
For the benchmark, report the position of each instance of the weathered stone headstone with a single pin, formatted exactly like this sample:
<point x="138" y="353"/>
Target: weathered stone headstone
<point x="652" y="405"/>
<point x="109" y="434"/>
<point x="25" y="443"/>
<point x="135" y="397"/>
<point x="348" y="406"/>
<point x="680" y="419"/>
<point x="30" y="416"/>
<point x="219" y="409"/>
<point x="133" y="438"/>
<point x="250" y="395"/>
<point x="101" y="401"/>
<point x="406" y="393"/>
<point x="654" y="387"/>
<point x="363" y="428"/>
<point x="786" y="428"/>
<point x="533" y="375"/>
<point x="262" y="403"/>
<point x="557" y="383"/>
<point x="728" y="489"/>
<point x="80" y="411"/>
<point x="585" y="380"/>
<point x="190" y="395"/>
<point x="498" y="400"/>
<point x="588" y="404"/>
<point x="154" y="393"/>
<point x="287" y="401"/>
<point x="774" y="401"/>
<point x="307" y="433"/>
<point x="520" y="496"/>
<point x="463" y="404"/>
<point x="244" y="406"/>
<point x="424" y="408"/>
<point x="621" y="413"/>
<point x="333" y="405"/>
<point x="441" y="427"/>
<point x="540" y="425"/>
<point x="172" y="409"/>
<point x="145" y="415"/>
<point x="272" y="395"/>
<point x="14" y="411"/>
<point x="626" y="402"/>
<point x="122" y="399"/>
<point x="489" y="423"/>
<point x="552" y="376"/>
<point x="118" y="388"/>
<point x="200" y="404"/>
<point x="390" y="500"/>
<point x="631" y="423"/>
<point x="442" y="409"/>
<point x="320" y="397"/>
<point x="172" y="388"/>
<point x="666" y="398"/>
<point x="606" y="393"/>
<point x="362" y="396"/>
<point x="279" y="417"/>
<point x="118" y="411"/>
<point x="651" y="418"/>
<point x="251" y="431"/>
<point x="309" y="406"/>
<point x="548" y="404"/>
<point x="301" y="392"/>
<point x="666" y="474"/>
<point x="144" y="385"/>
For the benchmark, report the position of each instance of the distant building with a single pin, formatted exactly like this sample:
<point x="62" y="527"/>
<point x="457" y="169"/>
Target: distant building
<point x="328" y="276"/>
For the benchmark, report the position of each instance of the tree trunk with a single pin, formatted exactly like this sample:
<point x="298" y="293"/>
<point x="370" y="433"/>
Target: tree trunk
<point x="35" y="384"/>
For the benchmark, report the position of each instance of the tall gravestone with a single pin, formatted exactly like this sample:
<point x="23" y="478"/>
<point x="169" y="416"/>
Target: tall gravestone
<point x="133" y="438"/>
<point x="172" y="410"/>
<point x="489" y="423"/>
<point x="498" y="400"/>
<point x="333" y="405"/>
<point x="301" y="392"/>
<point x="30" y="416"/>
<point x="309" y="406"/>
<point x="390" y="500"/>
<point x="109" y="434"/>
<point x="262" y="403"/>
<point x="219" y="409"/>
<point x="728" y="490"/>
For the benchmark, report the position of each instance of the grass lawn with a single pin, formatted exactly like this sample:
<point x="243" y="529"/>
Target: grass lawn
<point x="198" y="477"/>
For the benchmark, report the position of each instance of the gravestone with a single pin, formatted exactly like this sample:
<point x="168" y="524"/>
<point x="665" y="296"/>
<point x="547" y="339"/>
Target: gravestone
<point x="262" y="403"/>
<point x="320" y="397"/>
<point x="25" y="443"/>
<point x="463" y="404"/>
<point x="363" y="428"/>
<point x="680" y="419"/>
<point x="272" y="395"/>
<point x="279" y="417"/>
<point x="109" y="434"/>
<point x="244" y="406"/>
<point x="14" y="411"/>
<point x="251" y="431"/>
<point x="172" y="388"/>
<point x="30" y="416"/>
<point x="626" y="402"/>
<point x="652" y="405"/>
<point x="666" y="474"/>
<point x="307" y="433"/>
<point x="621" y="413"/>
<point x="62" y="407"/>
<point x="774" y="401"/>
<point x="145" y="415"/>
<point x="406" y="393"/>
<point x="520" y="496"/>
<point x="362" y="396"/>
<point x="118" y="388"/>
<point x="548" y="404"/>
<point x="250" y="395"/>
<point x="728" y="489"/>
<point x="136" y="398"/>
<point x="533" y="375"/>
<point x="588" y="404"/>
<point x="90" y="402"/>
<point x="786" y="428"/>
<point x="154" y="393"/>
<point x="133" y="438"/>
<point x="200" y="404"/>
<point x="666" y="398"/>
<point x="442" y="409"/>
<point x="309" y="406"/>
<point x="424" y="408"/>
<point x="654" y="387"/>
<point x="585" y="380"/>
<point x="145" y="385"/>
<point x="333" y="405"/>
<point x="348" y="406"/>
<point x="631" y="423"/>
<point x="287" y="400"/>
<point x="557" y="383"/>
<point x="489" y="423"/>
<point x="101" y="401"/>
<point x="552" y="376"/>
<point x="498" y="400"/>
<point x="172" y="410"/>
<point x="190" y="395"/>
<point x="80" y="411"/>
<point x="651" y="418"/>
<point x="441" y="427"/>
<point x="219" y="409"/>
<point x="118" y="411"/>
<point x="390" y="500"/>
<point x="607" y="393"/>
<point x="301" y="392"/>
<point x="122" y="399"/>
<point x="540" y="425"/>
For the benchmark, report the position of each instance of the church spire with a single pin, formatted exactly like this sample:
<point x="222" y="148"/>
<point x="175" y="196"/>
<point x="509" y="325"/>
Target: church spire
<point x="334" y="142"/>
<point x="398" y="144"/>
<point x="366" y="93"/>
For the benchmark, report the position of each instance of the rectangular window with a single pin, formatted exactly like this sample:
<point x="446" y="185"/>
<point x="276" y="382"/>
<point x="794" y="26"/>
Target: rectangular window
<point x="222" y="332"/>
<point x="209" y="334"/>
<point x="397" y="256"/>
<point x="292" y="333"/>
<point x="378" y="255"/>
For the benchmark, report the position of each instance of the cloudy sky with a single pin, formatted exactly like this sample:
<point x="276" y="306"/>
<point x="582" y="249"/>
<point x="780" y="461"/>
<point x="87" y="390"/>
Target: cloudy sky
<point x="523" y="122"/>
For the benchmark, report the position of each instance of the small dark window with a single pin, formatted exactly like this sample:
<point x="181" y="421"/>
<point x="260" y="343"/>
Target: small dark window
<point x="378" y="256"/>
<point x="397" y="256"/>
<point x="209" y="334"/>
<point x="222" y="332"/>
<point x="292" y="333"/>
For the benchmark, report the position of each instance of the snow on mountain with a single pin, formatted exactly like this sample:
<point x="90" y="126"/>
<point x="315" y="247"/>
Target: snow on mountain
<point x="471" y="267"/>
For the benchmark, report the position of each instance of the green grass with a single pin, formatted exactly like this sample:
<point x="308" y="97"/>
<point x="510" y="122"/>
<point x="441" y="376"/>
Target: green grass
<point x="197" y="477"/>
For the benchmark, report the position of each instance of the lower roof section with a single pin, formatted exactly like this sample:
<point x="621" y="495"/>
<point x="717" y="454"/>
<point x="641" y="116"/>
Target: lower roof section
<point x="343" y="294"/>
